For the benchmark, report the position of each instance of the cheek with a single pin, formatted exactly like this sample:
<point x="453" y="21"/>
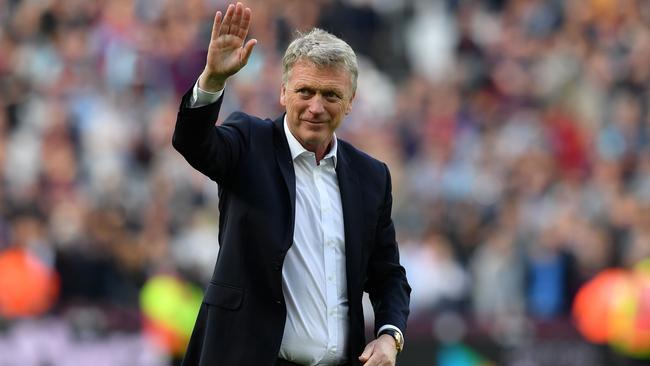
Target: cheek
<point x="336" y="112"/>
<point x="297" y="107"/>
<point x="336" y="124"/>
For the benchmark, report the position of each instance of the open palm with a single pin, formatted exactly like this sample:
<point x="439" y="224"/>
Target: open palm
<point x="227" y="52"/>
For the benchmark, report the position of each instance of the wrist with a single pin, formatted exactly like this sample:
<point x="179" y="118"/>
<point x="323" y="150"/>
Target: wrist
<point x="395" y="336"/>
<point x="388" y="339"/>
<point x="211" y="83"/>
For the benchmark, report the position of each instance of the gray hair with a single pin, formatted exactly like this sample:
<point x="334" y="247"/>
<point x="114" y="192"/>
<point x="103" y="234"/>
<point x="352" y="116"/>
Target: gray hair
<point x="324" y="50"/>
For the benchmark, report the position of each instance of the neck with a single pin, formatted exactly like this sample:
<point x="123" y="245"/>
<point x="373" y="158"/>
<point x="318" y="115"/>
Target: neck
<point x="320" y="150"/>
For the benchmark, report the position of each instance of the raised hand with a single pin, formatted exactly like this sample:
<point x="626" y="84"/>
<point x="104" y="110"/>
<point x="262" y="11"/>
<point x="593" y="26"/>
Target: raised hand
<point x="227" y="52"/>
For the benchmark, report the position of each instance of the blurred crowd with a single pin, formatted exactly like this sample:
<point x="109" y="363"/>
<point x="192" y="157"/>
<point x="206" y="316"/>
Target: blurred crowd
<point x="517" y="133"/>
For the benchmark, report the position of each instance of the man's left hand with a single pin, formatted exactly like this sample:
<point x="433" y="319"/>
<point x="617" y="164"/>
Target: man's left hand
<point x="380" y="352"/>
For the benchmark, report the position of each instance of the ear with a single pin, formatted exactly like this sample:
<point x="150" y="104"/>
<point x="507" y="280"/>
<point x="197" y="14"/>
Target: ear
<point x="283" y="95"/>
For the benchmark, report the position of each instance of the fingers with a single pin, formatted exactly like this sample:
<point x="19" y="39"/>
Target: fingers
<point x="216" y="25"/>
<point x="227" y="20"/>
<point x="236" y="19"/>
<point x="235" y="22"/>
<point x="245" y="23"/>
<point x="233" y="19"/>
<point x="376" y="360"/>
<point x="367" y="352"/>
<point x="374" y="355"/>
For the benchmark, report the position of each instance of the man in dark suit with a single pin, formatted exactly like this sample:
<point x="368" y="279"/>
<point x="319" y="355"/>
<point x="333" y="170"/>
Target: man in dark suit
<point x="305" y="225"/>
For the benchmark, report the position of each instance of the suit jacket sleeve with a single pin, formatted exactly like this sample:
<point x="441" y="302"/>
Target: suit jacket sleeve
<point x="386" y="282"/>
<point x="213" y="150"/>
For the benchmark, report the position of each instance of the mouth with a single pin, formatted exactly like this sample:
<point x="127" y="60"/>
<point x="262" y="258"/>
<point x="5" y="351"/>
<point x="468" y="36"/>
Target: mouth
<point x="311" y="122"/>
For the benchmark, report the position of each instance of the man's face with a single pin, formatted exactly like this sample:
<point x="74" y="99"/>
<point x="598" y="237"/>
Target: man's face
<point x="316" y="100"/>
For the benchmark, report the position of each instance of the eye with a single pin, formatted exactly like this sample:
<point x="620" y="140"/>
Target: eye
<point x="331" y="96"/>
<point x="304" y="92"/>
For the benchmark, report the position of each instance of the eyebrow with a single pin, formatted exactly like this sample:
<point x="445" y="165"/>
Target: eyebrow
<point x="323" y="90"/>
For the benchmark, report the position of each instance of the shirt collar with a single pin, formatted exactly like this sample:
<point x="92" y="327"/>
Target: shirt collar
<point x="297" y="149"/>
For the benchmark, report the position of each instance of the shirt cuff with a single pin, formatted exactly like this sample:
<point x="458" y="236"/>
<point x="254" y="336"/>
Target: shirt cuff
<point x="390" y="326"/>
<point x="202" y="98"/>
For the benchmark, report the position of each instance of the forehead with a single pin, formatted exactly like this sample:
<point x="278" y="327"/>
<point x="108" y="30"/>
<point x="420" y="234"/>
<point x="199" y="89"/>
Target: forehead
<point x="307" y="73"/>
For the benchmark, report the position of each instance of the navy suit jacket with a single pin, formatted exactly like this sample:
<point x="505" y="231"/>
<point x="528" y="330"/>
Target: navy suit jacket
<point x="241" y="320"/>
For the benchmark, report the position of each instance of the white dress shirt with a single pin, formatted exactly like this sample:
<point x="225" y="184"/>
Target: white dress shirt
<point x="313" y="276"/>
<point x="314" y="279"/>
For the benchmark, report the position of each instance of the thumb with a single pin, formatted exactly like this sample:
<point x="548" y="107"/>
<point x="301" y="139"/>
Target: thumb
<point x="248" y="49"/>
<point x="367" y="352"/>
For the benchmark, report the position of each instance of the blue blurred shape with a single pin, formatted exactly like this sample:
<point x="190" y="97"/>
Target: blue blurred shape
<point x="460" y="355"/>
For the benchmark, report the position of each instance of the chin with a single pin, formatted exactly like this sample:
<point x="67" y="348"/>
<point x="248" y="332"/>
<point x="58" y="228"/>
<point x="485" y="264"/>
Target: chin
<point x="313" y="141"/>
<point x="312" y="137"/>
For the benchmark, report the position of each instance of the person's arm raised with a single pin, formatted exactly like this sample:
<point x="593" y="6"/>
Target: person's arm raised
<point x="227" y="52"/>
<point x="216" y="150"/>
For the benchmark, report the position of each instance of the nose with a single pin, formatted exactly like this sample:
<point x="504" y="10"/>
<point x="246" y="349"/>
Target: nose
<point x="316" y="105"/>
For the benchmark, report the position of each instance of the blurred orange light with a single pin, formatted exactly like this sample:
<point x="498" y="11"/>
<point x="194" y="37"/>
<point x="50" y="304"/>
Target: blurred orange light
<point x="614" y="308"/>
<point x="27" y="286"/>
<point x="593" y="304"/>
<point x="631" y="335"/>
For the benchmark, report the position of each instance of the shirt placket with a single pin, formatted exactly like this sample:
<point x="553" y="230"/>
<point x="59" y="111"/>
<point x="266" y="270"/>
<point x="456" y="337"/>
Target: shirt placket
<point x="329" y="256"/>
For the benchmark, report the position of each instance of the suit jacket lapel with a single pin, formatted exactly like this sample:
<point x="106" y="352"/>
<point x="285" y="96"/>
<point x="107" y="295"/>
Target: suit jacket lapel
<point x="352" y="215"/>
<point x="285" y="163"/>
